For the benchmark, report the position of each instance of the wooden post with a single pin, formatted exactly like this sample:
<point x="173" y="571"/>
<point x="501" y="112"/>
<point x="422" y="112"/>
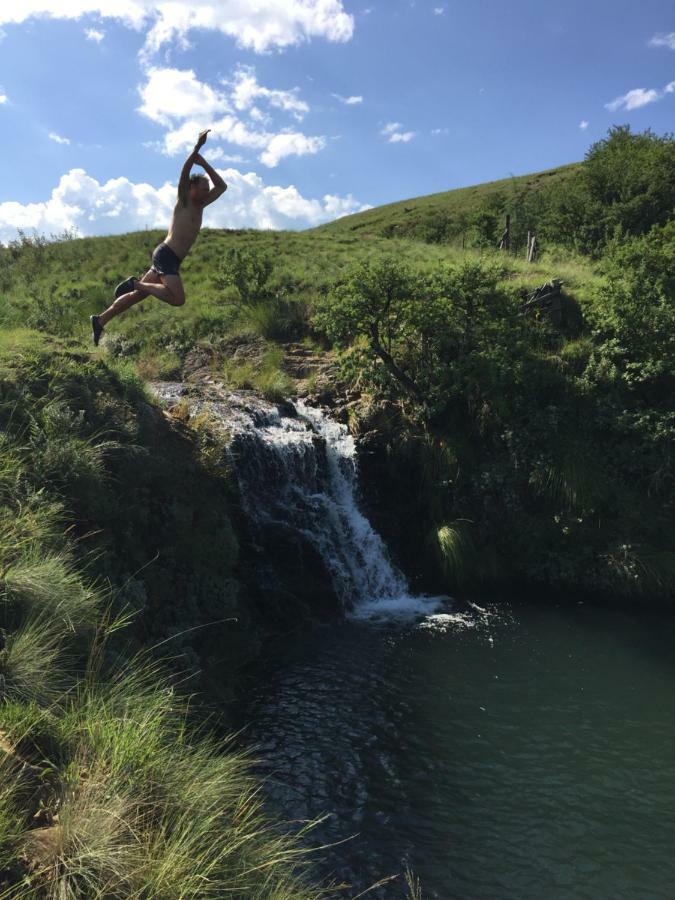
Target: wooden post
<point x="505" y="242"/>
<point x="532" y="249"/>
<point x="527" y="247"/>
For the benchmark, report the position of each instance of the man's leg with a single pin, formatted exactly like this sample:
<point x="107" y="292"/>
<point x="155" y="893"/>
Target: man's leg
<point x="170" y="290"/>
<point x="127" y="300"/>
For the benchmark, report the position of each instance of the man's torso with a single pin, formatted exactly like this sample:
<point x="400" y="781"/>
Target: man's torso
<point x="184" y="228"/>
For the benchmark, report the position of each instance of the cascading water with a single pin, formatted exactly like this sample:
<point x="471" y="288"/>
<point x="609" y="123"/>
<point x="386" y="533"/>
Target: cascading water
<point x="300" y="470"/>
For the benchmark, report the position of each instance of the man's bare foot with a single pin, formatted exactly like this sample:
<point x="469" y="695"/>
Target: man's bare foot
<point x="97" y="329"/>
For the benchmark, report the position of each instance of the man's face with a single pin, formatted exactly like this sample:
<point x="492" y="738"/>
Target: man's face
<point x="199" y="189"/>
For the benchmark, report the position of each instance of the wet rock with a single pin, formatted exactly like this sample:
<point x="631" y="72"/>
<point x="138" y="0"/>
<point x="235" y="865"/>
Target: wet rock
<point x="286" y="408"/>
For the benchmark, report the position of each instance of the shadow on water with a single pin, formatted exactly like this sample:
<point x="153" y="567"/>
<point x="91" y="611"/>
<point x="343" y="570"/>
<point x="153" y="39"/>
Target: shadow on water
<point x="519" y="751"/>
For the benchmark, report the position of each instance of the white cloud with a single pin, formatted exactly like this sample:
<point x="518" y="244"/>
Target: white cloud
<point x="178" y="100"/>
<point x="3" y="97"/>
<point x="348" y="101"/>
<point x="260" y="26"/>
<point x="633" y="99"/>
<point x="639" y="97"/>
<point x="79" y="202"/>
<point x="53" y="136"/>
<point x="583" y="124"/>
<point x="245" y="90"/>
<point x="401" y="137"/>
<point x="174" y="94"/>
<point x="273" y="147"/>
<point x="439" y="10"/>
<point x="93" y="34"/>
<point x="440" y="130"/>
<point x="290" y="144"/>
<point x="663" y="40"/>
<point x="392" y="131"/>
<point x="217" y="154"/>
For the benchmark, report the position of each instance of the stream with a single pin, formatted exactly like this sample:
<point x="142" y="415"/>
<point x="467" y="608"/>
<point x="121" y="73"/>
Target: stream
<point x="500" y="749"/>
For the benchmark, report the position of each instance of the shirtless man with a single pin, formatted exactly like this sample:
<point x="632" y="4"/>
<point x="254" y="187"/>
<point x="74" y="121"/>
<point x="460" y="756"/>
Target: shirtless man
<point x="162" y="279"/>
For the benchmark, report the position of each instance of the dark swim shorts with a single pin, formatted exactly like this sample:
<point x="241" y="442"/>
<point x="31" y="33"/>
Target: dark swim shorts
<point x="165" y="261"/>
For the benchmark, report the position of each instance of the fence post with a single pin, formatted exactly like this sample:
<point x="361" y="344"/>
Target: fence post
<point x="532" y="249"/>
<point x="505" y="242"/>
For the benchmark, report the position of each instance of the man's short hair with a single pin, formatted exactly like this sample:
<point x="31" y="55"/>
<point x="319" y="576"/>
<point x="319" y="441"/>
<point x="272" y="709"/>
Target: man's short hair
<point x="196" y="177"/>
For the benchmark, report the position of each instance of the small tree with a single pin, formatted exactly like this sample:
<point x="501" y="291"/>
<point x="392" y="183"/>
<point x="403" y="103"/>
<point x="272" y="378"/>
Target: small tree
<point x="373" y="303"/>
<point x="248" y="271"/>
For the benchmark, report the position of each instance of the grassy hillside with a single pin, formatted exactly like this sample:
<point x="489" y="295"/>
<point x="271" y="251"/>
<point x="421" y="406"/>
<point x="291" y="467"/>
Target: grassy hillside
<point x="404" y="216"/>
<point x="55" y="287"/>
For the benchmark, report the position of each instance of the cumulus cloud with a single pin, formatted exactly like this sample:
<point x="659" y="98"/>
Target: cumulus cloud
<point x="217" y="154"/>
<point x="663" y="40"/>
<point x="3" y="97"/>
<point x="639" y="97"/>
<point x="245" y="90"/>
<point x="633" y="99"/>
<point x="401" y="137"/>
<point x="93" y="34"/>
<point x="178" y="100"/>
<point x="348" y="101"/>
<point x="174" y="94"/>
<point x="437" y="131"/>
<point x="80" y="203"/>
<point x="260" y="26"/>
<point x="290" y="144"/>
<point x="392" y="131"/>
<point x="583" y="124"/>
<point x="58" y="139"/>
<point x="439" y="10"/>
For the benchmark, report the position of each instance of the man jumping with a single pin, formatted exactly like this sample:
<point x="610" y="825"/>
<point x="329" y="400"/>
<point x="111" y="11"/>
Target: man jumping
<point x="162" y="279"/>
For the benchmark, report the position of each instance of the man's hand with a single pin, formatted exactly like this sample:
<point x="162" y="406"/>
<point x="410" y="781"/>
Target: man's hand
<point x="201" y="140"/>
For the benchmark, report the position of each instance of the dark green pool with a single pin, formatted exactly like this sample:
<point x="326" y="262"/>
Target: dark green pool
<point x="526" y="751"/>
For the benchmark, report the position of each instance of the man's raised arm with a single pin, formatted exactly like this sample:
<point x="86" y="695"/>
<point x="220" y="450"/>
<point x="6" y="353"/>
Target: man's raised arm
<point x="219" y="186"/>
<point x="184" y="180"/>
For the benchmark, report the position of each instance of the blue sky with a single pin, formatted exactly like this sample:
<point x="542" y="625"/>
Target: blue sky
<point x="100" y="99"/>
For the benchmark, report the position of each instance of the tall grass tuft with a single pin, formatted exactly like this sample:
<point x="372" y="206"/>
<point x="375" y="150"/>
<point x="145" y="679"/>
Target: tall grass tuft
<point x="456" y="551"/>
<point x="49" y="585"/>
<point x="32" y="666"/>
<point x="148" y="807"/>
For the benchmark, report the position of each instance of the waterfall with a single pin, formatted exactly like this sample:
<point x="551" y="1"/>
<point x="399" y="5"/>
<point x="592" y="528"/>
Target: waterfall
<point x="297" y="467"/>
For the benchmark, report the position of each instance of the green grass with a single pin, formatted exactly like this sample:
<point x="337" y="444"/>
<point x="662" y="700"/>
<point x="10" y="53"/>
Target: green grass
<point x="462" y="201"/>
<point x="138" y="804"/>
<point x="83" y="273"/>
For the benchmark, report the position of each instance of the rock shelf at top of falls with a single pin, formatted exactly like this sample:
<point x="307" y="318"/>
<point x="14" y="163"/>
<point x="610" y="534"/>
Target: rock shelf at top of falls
<point x="297" y="473"/>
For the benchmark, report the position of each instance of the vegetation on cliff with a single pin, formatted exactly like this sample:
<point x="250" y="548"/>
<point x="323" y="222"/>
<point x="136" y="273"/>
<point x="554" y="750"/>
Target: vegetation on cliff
<point x="116" y="545"/>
